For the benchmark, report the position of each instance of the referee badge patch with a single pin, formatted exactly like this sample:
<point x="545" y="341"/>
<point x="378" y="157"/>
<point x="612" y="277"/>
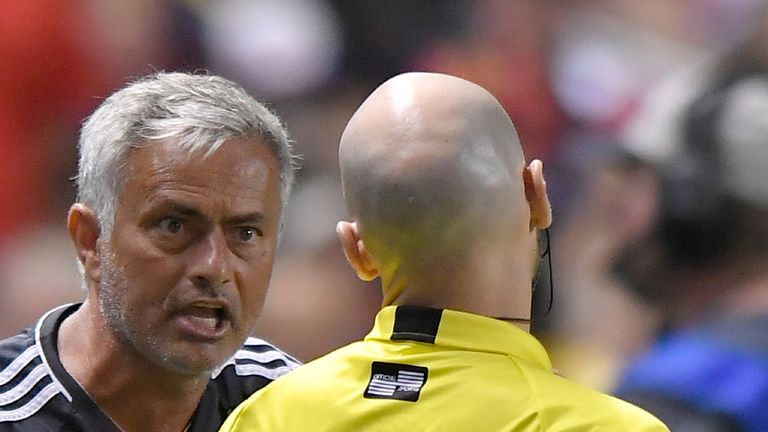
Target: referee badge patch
<point x="395" y="381"/>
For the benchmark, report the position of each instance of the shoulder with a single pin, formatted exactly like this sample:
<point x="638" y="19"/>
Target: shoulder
<point x="14" y="346"/>
<point x="16" y="353"/>
<point x="258" y="357"/>
<point x="316" y="389"/>
<point x="252" y="367"/>
<point x="271" y="407"/>
<point x="562" y="404"/>
<point x="26" y="384"/>
<point x="565" y="402"/>
<point x="304" y="389"/>
<point x="340" y="367"/>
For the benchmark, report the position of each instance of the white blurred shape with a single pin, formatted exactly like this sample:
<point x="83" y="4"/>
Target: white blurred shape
<point x="312" y="214"/>
<point x="655" y="134"/>
<point x="745" y="134"/>
<point x="276" y="47"/>
<point x="603" y="65"/>
<point x="592" y="81"/>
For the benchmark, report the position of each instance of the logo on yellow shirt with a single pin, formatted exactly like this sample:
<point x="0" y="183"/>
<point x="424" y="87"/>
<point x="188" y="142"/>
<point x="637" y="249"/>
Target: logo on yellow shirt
<point x="395" y="381"/>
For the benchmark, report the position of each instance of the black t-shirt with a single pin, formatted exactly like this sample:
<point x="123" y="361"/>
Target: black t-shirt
<point x="38" y="394"/>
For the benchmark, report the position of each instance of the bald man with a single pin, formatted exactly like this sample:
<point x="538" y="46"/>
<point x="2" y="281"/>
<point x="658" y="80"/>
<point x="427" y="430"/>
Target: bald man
<point x="446" y="213"/>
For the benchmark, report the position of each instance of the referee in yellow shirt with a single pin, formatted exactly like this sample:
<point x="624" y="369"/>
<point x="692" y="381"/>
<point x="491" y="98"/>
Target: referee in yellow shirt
<point x="446" y="212"/>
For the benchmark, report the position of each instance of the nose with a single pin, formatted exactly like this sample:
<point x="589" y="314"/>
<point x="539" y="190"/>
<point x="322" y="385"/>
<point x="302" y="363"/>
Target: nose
<point x="210" y="264"/>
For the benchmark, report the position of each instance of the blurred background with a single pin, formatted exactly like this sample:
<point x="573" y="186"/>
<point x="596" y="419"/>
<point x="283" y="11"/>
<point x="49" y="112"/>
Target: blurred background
<point x="574" y="75"/>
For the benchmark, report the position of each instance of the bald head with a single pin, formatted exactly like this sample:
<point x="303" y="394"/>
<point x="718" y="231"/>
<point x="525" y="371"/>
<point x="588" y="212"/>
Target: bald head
<point x="427" y="145"/>
<point x="417" y="122"/>
<point x="429" y="162"/>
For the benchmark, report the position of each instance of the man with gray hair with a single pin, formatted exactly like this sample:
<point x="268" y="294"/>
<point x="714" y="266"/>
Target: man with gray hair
<point x="181" y="186"/>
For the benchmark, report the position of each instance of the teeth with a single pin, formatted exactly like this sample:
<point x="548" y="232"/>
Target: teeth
<point x="205" y="316"/>
<point x="207" y="322"/>
<point x="204" y="312"/>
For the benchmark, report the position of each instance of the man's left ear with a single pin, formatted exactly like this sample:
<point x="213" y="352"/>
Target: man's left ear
<point x="536" y="194"/>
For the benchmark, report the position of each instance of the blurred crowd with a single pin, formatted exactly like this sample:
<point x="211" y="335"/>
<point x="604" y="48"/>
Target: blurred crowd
<point x="575" y="77"/>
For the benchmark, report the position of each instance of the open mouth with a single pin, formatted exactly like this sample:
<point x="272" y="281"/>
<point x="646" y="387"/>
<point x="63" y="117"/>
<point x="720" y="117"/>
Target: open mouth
<point x="206" y="321"/>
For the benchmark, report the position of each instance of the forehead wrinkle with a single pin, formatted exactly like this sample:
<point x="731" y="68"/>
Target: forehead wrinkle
<point x="162" y="184"/>
<point x="193" y="198"/>
<point x="185" y="172"/>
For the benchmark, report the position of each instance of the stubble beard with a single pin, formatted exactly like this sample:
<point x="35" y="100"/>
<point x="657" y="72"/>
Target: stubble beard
<point x="131" y="332"/>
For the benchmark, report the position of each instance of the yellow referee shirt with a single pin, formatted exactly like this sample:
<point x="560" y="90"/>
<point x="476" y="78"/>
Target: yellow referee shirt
<point x="425" y="369"/>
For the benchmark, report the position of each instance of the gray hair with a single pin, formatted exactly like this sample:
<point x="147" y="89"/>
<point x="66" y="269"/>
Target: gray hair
<point x="200" y="111"/>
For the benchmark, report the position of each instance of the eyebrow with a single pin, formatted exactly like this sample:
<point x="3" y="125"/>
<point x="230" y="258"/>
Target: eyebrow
<point x="191" y="212"/>
<point x="179" y="208"/>
<point x="254" y="217"/>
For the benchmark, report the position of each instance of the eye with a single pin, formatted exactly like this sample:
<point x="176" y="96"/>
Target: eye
<point x="247" y="233"/>
<point x="171" y="225"/>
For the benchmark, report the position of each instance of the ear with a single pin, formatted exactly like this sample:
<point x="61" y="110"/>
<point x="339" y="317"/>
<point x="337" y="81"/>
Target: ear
<point x="84" y="229"/>
<point x="354" y="250"/>
<point x="536" y="194"/>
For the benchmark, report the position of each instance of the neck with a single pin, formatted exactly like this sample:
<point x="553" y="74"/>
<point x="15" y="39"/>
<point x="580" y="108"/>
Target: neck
<point x="121" y="381"/>
<point x="504" y="299"/>
<point x="522" y="323"/>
